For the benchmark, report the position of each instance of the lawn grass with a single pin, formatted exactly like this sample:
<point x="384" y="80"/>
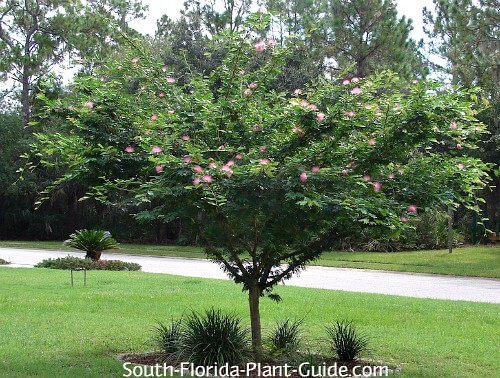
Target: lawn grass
<point x="481" y="261"/>
<point x="50" y="329"/>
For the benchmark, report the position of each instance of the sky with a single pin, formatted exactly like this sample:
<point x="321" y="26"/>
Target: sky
<point x="409" y="8"/>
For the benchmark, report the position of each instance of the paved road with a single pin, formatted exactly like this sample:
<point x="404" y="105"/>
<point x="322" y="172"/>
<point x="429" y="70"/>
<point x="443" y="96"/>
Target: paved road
<point x="357" y="280"/>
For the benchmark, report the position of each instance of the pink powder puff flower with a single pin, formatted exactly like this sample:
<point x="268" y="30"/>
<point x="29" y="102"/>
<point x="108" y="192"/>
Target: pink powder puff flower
<point x="170" y="80"/>
<point x="185" y="137"/>
<point x="262" y="10"/>
<point x="459" y="146"/>
<point x="367" y="178"/>
<point x="371" y="142"/>
<point x="260" y="46"/>
<point x="159" y="169"/>
<point x="304" y="103"/>
<point x="89" y="104"/>
<point x="171" y="111"/>
<point x="229" y="173"/>
<point x="349" y="114"/>
<point x="461" y="166"/>
<point x="315" y="169"/>
<point x="297" y="92"/>
<point x="129" y="149"/>
<point x="197" y="169"/>
<point x="356" y="90"/>
<point x="252" y="85"/>
<point x="377" y="186"/>
<point x="164" y="68"/>
<point x="71" y="107"/>
<point x="226" y="168"/>
<point x="391" y="175"/>
<point x="354" y="79"/>
<point x="230" y="163"/>
<point x="156" y="149"/>
<point x="262" y="148"/>
<point x="242" y="72"/>
<point x="222" y="148"/>
<point x="239" y="156"/>
<point x="477" y="128"/>
<point x="154" y="117"/>
<point x="271" y="42"/>
<point x="102" y="78"/>
<point x="320" y="117"/>
<point x="207" y="178"/>
<point x="401" y="171"/>
<point x="453" y="125"/>
<point x="212" y="165"/>
<point x="264" y="161"/>
<point x="412" y="208"/>
<point x="134" y="60"/>
<point x="313" y="107"/>
<point x="344" y="172"/>
<point x="303" y="177"/>
<point x="346" y="82"/>
<point x="196" y="181"/>
<point x="247" y="92"/>
<point x="187" y="159"/>
<point x="403" y="219"/>
<point x="161" y="94"/>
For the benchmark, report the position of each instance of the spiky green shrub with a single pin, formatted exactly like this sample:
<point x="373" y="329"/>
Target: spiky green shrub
<point x="167" y="336"/>
<point x="214" y="337"/>
<point x="4" y="262"/>
<point x="70" y="262"/>
<point x="285" y="336"/>
<point x="345" y="340"/>
<point x="93" y="242"/>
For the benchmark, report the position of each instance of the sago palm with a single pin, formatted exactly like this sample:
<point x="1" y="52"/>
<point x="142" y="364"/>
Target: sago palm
<point x="93" y="242"/>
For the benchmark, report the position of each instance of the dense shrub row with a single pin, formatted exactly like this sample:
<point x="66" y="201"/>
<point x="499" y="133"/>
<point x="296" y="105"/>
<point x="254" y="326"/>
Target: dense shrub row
<point x="70" y="262"/>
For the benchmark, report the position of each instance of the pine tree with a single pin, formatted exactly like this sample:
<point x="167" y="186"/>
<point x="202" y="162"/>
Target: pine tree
<point x="368" y="35"/>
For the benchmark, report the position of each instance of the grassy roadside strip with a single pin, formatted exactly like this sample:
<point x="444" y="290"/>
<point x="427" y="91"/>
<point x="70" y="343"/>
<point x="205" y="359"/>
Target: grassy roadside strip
<point x="470" y="261"/>
<point x="50" y="329"/>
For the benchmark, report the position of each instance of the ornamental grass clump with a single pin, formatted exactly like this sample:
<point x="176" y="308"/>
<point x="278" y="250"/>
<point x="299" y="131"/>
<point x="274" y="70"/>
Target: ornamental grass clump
<point x="345" y="340"/>
<point x="214" y="337"/>
<point x="167" y="337"/>
<point x="285" y="337"/>
<point x="93" y="242"/>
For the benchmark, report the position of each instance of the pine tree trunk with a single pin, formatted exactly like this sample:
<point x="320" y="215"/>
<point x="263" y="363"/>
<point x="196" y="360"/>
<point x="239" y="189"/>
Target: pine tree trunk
<point x="25" y="100"/>
<point x="254" y="293"/>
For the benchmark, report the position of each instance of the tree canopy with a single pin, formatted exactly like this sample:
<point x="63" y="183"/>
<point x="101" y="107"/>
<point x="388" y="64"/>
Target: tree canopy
<point x="37" y="35"/>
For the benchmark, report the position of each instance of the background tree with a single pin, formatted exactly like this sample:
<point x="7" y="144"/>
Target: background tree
<point x="465" y="34"/>
<point x="368" y="35"/>
<point x="36" y="35"/>
<point x="266" y="179"/>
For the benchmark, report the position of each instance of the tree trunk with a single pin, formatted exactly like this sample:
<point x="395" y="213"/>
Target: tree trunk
<point x="25" y="100"/>
<point x="94" y="256"/>
<point x="254" y="293"/>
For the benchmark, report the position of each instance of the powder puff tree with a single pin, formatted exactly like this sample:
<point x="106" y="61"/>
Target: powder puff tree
<point x="258" y="212"/>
